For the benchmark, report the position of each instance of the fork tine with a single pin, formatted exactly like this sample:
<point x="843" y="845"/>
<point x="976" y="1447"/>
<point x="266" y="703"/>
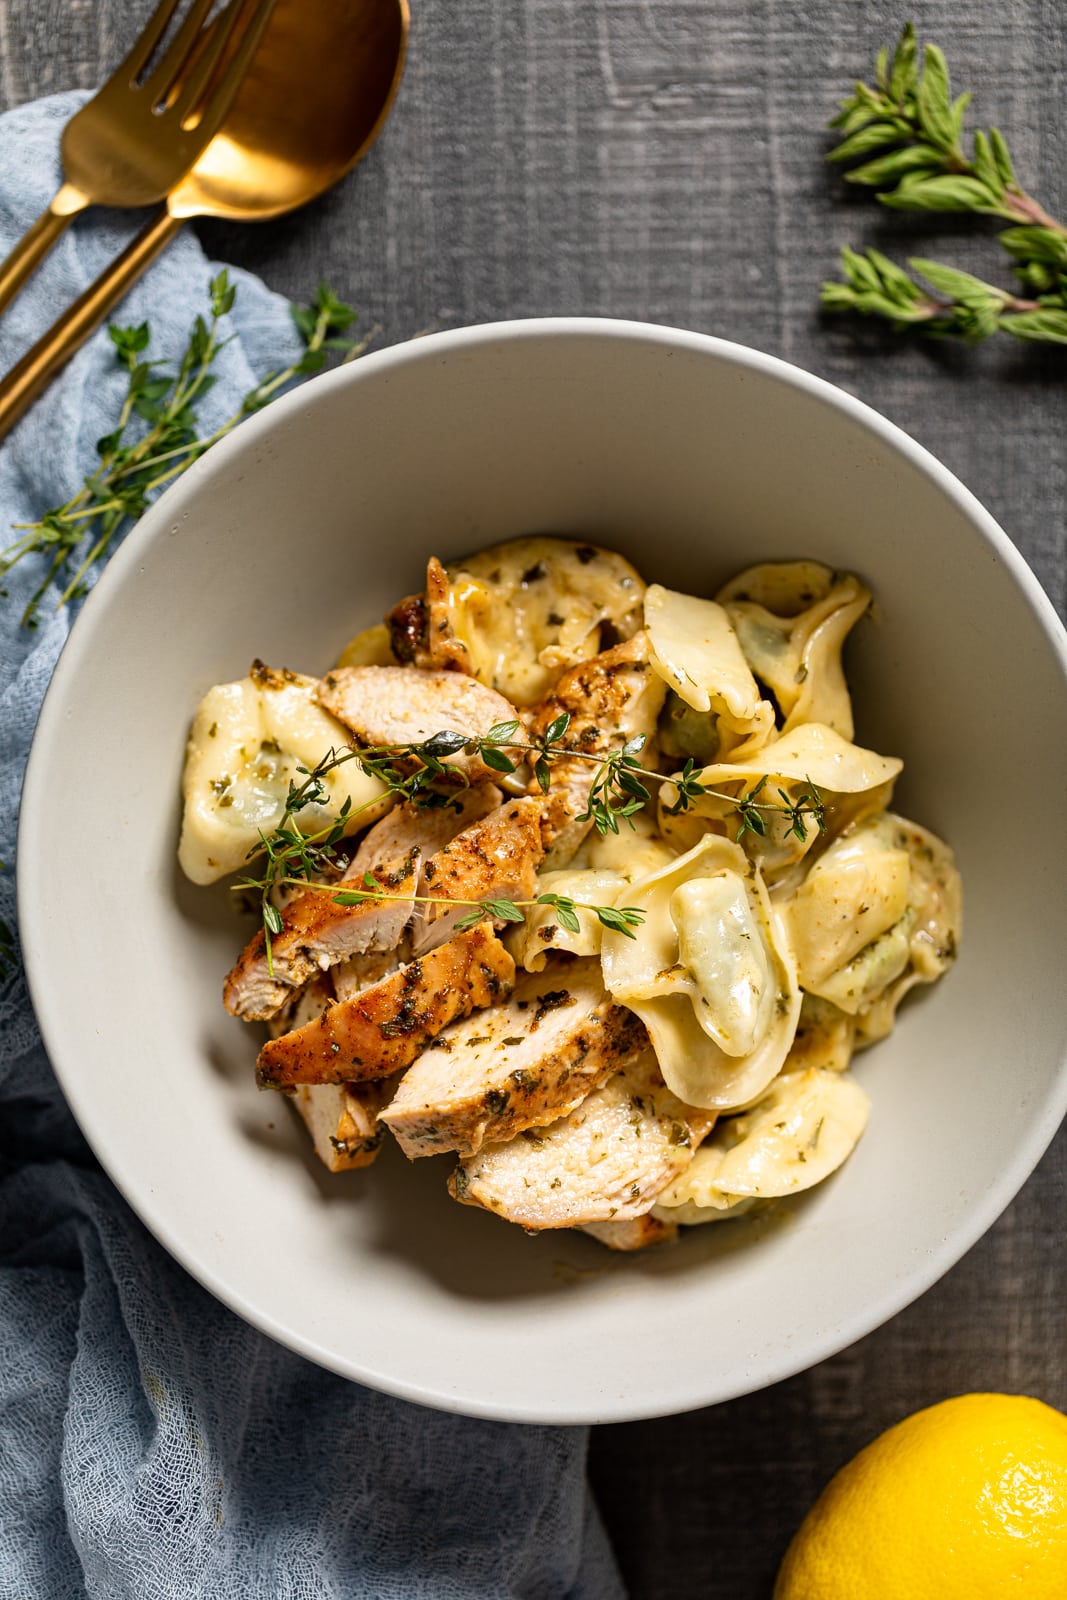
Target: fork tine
<point x="159" y="85"/>
<point x="146" y="42"/>
<point x="221" y="93"/>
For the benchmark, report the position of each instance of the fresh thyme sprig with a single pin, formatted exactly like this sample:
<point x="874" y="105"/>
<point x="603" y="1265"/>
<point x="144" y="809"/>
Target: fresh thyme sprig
<point x="906" y="132"/>
<point x="623" y="919"/>
<point x="155" y="438"/>
<point x="420" y="773"/>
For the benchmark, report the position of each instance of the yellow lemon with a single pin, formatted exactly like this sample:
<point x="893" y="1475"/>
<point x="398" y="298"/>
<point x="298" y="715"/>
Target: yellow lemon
<point x="966" y="1500"/>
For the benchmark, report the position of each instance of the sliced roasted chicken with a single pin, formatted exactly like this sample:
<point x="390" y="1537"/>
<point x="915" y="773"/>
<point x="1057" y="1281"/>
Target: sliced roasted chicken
<point x="318" y="933"/>
<point x="426" y="829"/>
<point x="342" y="1118"/>
<point x="422" y="630"/>
<point x="609" y="699"/>
<point x="606" y="1161"/>
<point x="351" y="977"/>
<point x="495" y="858"/>
<point x="637" y="1234"/>
<point x="396" y="706"/>
<point x="516" y="1066"/>
<point x="384" y="1027"/>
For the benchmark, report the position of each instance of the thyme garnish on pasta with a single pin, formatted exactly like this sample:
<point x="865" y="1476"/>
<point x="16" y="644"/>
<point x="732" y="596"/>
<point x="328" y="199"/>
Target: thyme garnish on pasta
<point x="905" y="131"/>
<point x="419" y="773"/>
<point x="622" y="919"/>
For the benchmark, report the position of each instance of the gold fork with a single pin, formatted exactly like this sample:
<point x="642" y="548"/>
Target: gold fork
<point x="134" y="141"/>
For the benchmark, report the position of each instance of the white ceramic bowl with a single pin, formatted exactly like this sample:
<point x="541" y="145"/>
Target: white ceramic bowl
<point x="695" y="457"/>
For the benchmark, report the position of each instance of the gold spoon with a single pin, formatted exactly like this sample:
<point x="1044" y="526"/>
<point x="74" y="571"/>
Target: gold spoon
<point x="319" y="87"/>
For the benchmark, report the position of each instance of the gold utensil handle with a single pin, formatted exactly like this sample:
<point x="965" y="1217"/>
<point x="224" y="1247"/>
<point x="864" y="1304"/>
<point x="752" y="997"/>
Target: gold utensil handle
<point x="37" y="241"/>
<point x="52" y="352"/>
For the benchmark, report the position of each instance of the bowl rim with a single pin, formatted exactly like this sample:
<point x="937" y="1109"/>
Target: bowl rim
<point x="31" y="856"/>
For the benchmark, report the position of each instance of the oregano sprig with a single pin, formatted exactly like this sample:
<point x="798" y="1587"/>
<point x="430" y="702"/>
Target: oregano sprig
<point x="903" y="136"/>
<point x="156" y="436"/>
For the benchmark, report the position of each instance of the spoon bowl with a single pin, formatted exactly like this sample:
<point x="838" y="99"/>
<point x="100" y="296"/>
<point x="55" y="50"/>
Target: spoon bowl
<point x="312" y="103"/>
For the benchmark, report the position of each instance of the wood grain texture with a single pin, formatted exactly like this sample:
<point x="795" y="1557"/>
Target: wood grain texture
<point x="662" y="159"/>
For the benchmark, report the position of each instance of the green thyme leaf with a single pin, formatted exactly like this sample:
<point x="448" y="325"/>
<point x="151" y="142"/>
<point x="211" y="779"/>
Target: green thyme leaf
<point x="500" y="733"/>
<point x="497" y="760"/>
<point x="557" y="728"/>
<point x="503" y="910"/>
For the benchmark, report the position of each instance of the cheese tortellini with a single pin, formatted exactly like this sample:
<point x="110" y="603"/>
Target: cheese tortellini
<point x="774" y="945"/>
<point x="796" y="1135"/>
<point x="710" y="973"/>
<point x="696" y="652"/>
<point x="247" y="742"/>
<point x="811" y="760"/>
<point x="517" y="615"/>
<point x="792" y="619"/>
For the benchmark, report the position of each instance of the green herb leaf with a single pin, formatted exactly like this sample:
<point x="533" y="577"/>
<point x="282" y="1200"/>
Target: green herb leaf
<point x="620" y="919"/>
<point x="932" y="101"/>
<point x="1002" y="158"/>
<point x="942" y="193"/>
<point x="497" y="760"/>
<point x="959" y="285"/>
<point x="875" y="136"/>
<point x="1048" y="327"/>
<point x="888" y="168"/>
<point x="500" y="733"/>
<point x="557" y="728"/>
<point x="503" y="910"/>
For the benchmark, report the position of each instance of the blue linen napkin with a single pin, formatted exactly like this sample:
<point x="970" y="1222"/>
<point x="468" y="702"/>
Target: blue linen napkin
<point x="151" y="1444"/>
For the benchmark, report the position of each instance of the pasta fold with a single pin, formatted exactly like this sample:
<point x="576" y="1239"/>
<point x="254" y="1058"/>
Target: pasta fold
<point x="710" y="973"/>
<point x="792" y="619"/>
<point x="696" y="652"/>
<point x="800" y="1131"/>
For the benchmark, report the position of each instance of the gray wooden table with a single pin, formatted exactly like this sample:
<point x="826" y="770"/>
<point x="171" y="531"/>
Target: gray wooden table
<point x="662" y="159"/>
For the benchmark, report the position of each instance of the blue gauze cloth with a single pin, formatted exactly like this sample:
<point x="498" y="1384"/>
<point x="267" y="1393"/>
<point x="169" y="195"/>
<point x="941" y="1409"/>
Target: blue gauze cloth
<point x="151" y="1444"/>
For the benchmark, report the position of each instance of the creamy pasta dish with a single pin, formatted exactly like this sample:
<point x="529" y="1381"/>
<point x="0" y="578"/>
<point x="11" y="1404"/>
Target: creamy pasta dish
<point x="583" y="883"/>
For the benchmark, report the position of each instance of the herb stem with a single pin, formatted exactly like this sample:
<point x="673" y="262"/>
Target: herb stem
<point x="76" y="535"/>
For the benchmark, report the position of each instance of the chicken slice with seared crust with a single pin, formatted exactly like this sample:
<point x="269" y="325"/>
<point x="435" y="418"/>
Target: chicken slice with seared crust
<point x="420" y="626"/>
<point x="384" y="1027"/>
<point x="316" y="934"/>
<point x="516" y="1066"/>
<point x="424" y="828"/>
<point x="342" y="1118"/>
<point x="637" y="1234"/>
<point x="609" y="699"/>
<point x="398" y="706"/>
<point x="495" y="858"/>
<point x="606" y="1161"/>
